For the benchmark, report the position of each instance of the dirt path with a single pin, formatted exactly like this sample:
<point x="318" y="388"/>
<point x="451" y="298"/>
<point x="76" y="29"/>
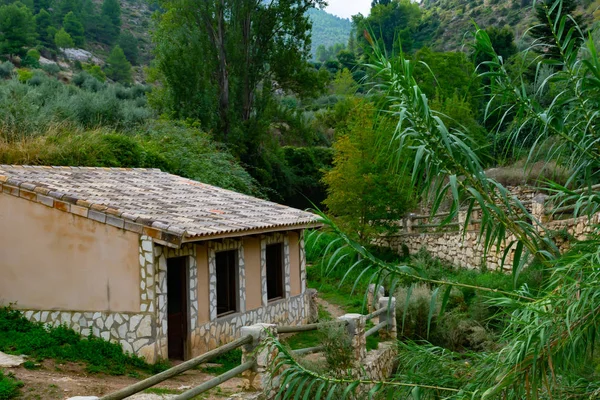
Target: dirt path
<point x="332" y="309"/>
<point x="61" y="381"/>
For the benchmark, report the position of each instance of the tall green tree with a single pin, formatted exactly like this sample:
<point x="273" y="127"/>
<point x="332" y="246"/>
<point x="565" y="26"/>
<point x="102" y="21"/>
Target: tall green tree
<point x="112" y="10"/>
<point x="393" y="22"/>
<point x="43" y="21"/>
<point x="129" y="44"/>
<point x="226" y="54"/>
<point x="117" y="67"/>
<point x="362" y="192"/>
<point x="17" y="28"/>
<point x="548" y="29"/>
<point x="73" y="27"/>
<point x="63" y="40"/>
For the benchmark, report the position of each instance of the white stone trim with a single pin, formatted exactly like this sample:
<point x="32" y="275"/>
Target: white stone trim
<point x="265" y="240"/>
<point x="213" y="248"/>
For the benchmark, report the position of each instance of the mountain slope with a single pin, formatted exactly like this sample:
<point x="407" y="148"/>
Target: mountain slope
<point x="328" y="29"/>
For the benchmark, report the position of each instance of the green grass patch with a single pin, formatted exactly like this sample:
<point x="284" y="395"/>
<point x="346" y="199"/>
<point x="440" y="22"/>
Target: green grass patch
<point x="21" y="336"/>
<point x="162" y="391"/>
<point x="303" y="340"/>
<point x="9" y="386"/>
<point x="227" y="361"/>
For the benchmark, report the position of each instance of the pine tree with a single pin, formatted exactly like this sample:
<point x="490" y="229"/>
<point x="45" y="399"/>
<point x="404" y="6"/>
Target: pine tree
<point x="544" y="32"/>
<point x="129" y="44"/>
<point x="112" y="9"/>
<point x="117" y="67"/>
<point x="74" y="28"/>
<point x="17" y="28"/>
<point x="63" y="40"/>
<point x="43" y="21"/>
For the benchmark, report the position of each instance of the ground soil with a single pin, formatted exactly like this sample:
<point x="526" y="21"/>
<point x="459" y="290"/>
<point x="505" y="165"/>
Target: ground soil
<point x="332" y="309"/>
<point x="54" y="381"/>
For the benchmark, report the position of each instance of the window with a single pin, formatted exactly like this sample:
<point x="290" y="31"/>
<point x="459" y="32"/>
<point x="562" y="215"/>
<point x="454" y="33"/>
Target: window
<point x="227" y="282"/>
<point x="274" y="271"/>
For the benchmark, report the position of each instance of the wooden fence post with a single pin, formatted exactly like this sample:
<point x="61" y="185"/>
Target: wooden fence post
<point x="258" y="378"/>
<point x="390" y="331"/>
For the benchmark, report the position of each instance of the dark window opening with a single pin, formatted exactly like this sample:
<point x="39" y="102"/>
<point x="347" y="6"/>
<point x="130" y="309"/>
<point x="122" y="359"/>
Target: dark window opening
<point x="274" y="271"/>
<point x="177" y="307"/>
<point x="227" y="282"/>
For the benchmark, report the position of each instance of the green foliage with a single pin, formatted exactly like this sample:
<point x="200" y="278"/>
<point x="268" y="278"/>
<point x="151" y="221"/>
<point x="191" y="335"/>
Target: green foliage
<point x="394" y="23"/>
<point x="338" y="347"/>
<point x="95" y="71"/>
<point x="43" y="21"/>
<point x="6" y="69"/>
<point x="129" y="44"/>
<point x="20" y="336"/>
<point x="33" y="53"/>
<point x="362" y="192"/>
<point x="24" y="75"/>
<point x="9" y="386"/>
<point x="74" y="28"/>
<point x="117" y="67"/>
<point x="327" y="31"/>
<point x="17" y="28"/>
<point x="227" y="361"/>
<point x="63" y="40"/>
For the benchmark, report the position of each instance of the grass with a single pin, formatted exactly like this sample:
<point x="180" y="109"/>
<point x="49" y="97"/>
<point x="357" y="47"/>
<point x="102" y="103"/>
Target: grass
<point x="227" y="362"/>
<point x="9" y="386"/>
<point x="21" y="336"/>
<point x="161" y="391"/>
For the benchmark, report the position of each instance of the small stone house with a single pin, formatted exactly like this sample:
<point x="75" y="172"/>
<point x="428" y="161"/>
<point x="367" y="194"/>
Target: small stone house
<point x="166" y="266"/>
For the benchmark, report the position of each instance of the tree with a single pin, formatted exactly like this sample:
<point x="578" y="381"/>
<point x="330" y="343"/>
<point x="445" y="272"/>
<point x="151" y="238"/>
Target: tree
<point x="546" y="347"/>
<point x="545" y="33"/>
<point x="503" y="40"/>
<point x="63" y="40"/>
<point x="112" y="10"/>
<point x="365" y="196"/>
<point x="394" y="22"/>
<point x="129" y="44"/>
<point x="226" y="54"/>
<point x="117" y="67"/>
<point x="17" y="28"/>
<point x="74" y="28"/>
<point x="43" y="21"/>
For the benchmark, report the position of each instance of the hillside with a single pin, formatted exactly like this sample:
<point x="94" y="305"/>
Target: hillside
<point x="328" y="29"/>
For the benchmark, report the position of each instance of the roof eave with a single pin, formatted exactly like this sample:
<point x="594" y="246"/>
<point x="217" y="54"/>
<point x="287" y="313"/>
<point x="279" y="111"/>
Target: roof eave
<point x="227" y="235"/>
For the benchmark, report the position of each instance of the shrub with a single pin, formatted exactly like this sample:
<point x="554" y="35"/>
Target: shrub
<point x="24" y="75"/>
<point x="52" y="69"/>
<point x="338" y="347"/>
<point x="457" y="332"/>
<point x="6" y="69"/>
<point x="9" y="386"/>
<point x="412" y="311"/>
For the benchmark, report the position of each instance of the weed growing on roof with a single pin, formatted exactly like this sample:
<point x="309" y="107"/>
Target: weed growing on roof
<point x="21" y="336"/>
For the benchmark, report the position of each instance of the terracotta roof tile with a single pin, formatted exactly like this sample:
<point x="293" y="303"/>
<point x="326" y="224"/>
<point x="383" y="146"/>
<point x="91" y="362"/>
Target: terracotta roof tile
<point x="156" y="199"/>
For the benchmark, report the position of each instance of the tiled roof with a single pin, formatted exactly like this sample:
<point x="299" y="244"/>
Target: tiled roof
<point x="167" y="207"/>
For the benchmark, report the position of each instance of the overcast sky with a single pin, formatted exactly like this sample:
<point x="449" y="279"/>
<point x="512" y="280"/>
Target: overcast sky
<point x="348" y="8"/>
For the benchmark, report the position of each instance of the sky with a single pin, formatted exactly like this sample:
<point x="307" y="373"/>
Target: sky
<point x="348" y="8"/>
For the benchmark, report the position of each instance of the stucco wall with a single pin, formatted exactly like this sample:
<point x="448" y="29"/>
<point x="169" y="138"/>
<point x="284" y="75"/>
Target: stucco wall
<point x="253" y="279"/>
<point x="53" y="260"/>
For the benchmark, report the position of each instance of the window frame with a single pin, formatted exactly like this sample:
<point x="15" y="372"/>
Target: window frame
<point x="233" y="276"/>
<point x="280" y="289"/>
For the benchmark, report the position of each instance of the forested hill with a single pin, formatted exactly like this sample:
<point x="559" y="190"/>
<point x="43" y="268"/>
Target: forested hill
<point x="328" y="29"/>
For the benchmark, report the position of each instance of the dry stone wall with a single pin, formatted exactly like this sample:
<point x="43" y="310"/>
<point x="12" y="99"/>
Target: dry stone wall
<point x="465" y="249"/>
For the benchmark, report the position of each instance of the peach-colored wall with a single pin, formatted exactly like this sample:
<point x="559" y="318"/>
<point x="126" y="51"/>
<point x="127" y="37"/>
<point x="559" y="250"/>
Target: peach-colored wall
<point x="203" y="283"/>
<point x="253" y="280"/>
<point x="295" y="287"/>
<point x="53" y="260"/>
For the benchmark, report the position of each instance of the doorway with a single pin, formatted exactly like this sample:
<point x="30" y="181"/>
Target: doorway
<point x="177" y="307"/>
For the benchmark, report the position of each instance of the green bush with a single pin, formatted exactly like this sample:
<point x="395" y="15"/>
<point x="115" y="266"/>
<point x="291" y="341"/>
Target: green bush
<point x="24" y="75"/>
<point x="9" y="386"/>
<point x="51" y="69"/>
<point x="6" y="69"/>
<point x="337" y="347"/>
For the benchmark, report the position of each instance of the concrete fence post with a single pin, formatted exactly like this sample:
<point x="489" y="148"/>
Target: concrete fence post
<point x="373" y="296"/>
<point x="313" y="305"/>
<point x="538" y="211"/>
<point x="390" y="332"/>
<point x="356" y="329"/>
<point x="258" y="378"/>
<point x="409" y="223"/>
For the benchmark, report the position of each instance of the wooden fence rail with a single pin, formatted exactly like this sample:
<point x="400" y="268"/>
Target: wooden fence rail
<point x="179" y="369"/>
